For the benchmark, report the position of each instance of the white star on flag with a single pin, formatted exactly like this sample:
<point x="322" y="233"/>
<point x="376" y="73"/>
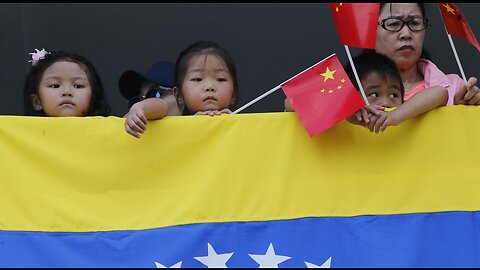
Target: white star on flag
<point x="214" y="260"/>
<point x="270" y="259"/>
<point x="177" y="265"/>
<point x="326" y="264"/>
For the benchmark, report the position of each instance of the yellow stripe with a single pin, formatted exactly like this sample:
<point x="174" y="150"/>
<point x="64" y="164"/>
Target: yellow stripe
<point x="87" y="174"/>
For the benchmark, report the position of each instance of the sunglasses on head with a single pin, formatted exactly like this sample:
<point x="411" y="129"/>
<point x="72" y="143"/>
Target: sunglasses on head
<point x="155" y="92"/>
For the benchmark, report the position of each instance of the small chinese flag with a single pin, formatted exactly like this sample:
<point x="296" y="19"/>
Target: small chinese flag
<point x="356" y="23"/>
<point x="322" y="95"/>
<point x="456" y="24"/>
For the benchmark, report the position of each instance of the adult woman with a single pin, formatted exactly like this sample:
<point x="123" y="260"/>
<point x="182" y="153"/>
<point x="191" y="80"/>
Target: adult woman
<point x="400" y="36"/>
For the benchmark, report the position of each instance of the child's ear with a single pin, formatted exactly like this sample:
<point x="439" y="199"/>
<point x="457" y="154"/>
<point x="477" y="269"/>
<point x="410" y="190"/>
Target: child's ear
<point x="37" y="104"/>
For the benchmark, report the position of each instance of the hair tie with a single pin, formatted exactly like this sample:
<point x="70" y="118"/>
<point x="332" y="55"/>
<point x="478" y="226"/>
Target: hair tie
<point x="37" y="56"/>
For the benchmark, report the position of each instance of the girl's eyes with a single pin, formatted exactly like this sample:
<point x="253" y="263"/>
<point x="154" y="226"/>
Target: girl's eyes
<point x="393" y="96"/>
<point x="56" y="85"/>
<point x="200" y="79"/>
<point x="374" y="94"/>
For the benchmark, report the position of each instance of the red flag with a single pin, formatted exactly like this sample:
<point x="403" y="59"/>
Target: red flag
<point x="322" y="95"/>
<point x="356" y="23"/>
<point x="456" y="24"/>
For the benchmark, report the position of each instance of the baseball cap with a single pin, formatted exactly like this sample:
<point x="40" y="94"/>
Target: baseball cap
<point x="161" y="73"/>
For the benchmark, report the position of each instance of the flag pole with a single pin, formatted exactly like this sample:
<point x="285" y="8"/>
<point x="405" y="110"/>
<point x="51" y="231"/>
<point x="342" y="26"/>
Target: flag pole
<point x="257" y="99"/>
<point x="456" y="57"/>
<point x="274" y="89"/>
<point x="356" y="75"/>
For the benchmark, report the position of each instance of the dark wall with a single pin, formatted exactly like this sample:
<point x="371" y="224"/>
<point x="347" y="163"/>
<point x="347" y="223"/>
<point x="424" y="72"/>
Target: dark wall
<point x="269" y="42"/>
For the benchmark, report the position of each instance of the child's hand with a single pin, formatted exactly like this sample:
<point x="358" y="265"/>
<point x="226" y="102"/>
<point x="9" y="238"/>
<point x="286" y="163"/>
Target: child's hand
<point x="469" y="94"/>
<point x="214" y="112"/>
<point x="362" y="116"/>
<point x="379" y="123"/>
<point x="136" y="121"/>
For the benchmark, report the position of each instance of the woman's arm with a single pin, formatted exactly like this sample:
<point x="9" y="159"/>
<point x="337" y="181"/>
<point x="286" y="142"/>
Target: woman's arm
<point x="420" y="103"/>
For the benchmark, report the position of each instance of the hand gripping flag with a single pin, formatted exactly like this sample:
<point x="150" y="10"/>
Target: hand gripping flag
<point x="456" y="24"/>
<point x="322" y="95"/>
<point x="356" y="23"/>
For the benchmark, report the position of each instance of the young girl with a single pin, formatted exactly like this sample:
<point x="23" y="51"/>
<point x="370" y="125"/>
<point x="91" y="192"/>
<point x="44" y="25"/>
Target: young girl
<point x="383" y="87"/>
<point x="63" y="84"/>
<point x="206" y="84"/>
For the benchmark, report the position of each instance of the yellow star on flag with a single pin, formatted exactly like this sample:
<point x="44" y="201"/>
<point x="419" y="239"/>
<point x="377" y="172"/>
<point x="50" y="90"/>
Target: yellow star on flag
<point x="337" y="9"/>
<point x="449" y="9"/>
<point x="328" y="74"/>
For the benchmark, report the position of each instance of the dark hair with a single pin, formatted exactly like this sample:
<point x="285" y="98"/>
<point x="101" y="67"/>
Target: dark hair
<point x="425" y="54"/>
<point x="370" y="61"/>
<point x="420" y="5"/>
<point x="202" y="47"/>
<point x="98" y="104"/>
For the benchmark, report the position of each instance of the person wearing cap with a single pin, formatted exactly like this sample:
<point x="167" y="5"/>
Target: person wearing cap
<point x="144" y="90"/>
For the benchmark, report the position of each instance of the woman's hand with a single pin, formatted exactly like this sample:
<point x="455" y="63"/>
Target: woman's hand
<point x="469" y="94"/>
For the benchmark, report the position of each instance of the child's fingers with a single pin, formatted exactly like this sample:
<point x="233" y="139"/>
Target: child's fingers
<point x="133" y="133"/>
<point x="358" y="115"/>
<point x="130" y="131"/>
<point x="374" y="109"/>
<point x="132" y="125"/>
<point x="366" y="116"/>
<point x="227" y="111"/>
<point x="136" y="124"/>
<point x="385" y="124"/>
<point x="380" y="121"/>
<point x="371" y="124"/>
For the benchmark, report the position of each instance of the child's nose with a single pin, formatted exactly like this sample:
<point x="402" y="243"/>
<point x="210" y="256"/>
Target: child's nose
<point x="384" y="102"/>
<point x="66" y="91"/>
<point x="210" y="87"/>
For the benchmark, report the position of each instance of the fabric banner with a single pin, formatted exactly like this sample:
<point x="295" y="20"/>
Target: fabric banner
<point x="246" y="190"/>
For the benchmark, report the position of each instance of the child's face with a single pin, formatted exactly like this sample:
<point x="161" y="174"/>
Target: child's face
<point x="382" y="92"/>
<point x="208" y="84"/>
<point x="64" y="90"/>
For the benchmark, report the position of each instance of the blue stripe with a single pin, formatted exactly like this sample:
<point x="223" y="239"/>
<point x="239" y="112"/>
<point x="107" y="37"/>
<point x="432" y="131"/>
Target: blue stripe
<point x="450" y="239"/>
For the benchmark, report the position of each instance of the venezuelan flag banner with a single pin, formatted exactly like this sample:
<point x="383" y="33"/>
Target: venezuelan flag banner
<point x="251" y="190"/>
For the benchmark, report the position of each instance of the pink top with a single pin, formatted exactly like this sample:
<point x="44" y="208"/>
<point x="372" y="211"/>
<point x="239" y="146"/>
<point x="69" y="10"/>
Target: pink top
<point x="420" y="86"/>
<point x="433" y="77"/>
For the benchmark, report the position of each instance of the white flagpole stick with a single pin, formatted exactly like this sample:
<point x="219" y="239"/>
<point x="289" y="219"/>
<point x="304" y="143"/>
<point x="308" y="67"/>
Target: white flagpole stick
<point x="257" y="99"/>
<point x="456" y="57"/>
<point x="274" y="89"/>
<point x="356" y="75"/>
